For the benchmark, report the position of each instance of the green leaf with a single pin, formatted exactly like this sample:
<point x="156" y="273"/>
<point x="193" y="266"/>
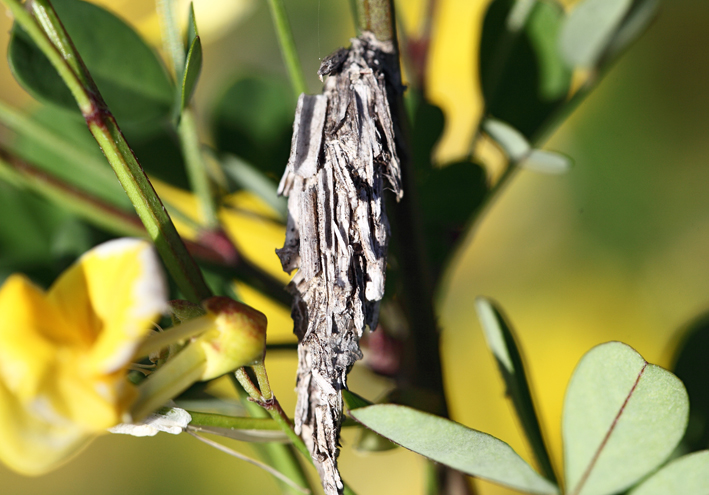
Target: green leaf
<point x="354" y="401"/>
<point x="250" y="178"/>
<point x="622" y="418"/>
<point x="254" y="120"/>
<point x="470" y="451"/>
<point x="367" y="440"/>
<point x="192" y="31"/>
<point x="126" y="70"/>
<point x="58" y="142"/>
<point x="193" y="68"/>
<point x="522" y="74"/>
<point x="193" y="62"/>
<point x="512" y="142"/>
<point x="548" y="162"/>
<point x="448" y="196"/>
<point x="688" y="475"/>
<point x="501" y="341"/>
<point x="589" y="29"/>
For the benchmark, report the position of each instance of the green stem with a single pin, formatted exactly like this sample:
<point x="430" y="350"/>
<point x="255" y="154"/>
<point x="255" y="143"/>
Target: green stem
<point x="105" y="130"/>
<point x="169" y="381"/>
<point x="196" y="168"/>
<point x="231" y="422"/>
<point x="187" y="126"/>
<point x="282" y="456"/>
<point x="287" y="44"/>
<point x="377" y="16"/>
<point x="174" y="335"/>
<point x="421" y="368"/>
<point x="274" y="409"/>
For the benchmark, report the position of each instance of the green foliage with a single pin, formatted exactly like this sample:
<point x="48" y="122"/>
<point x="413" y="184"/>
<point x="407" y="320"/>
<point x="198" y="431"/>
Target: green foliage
<point x="688" y="475"/>
<point x="449" y="194"/>
<point x="523" y="77"/>
<point x="622" y="418"/>
<point x="253" y="119"/>
<point x="501" y="341"/>
<point x="475" y="453"/>
<point x="193" y="62"/>
<point x="127" y="72"/>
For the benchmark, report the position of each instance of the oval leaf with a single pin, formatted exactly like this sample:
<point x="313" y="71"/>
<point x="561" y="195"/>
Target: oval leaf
<point x="589" y="29"/>
<point x="548" y="162"/>
<point x="622" y="418"/>
<point x="688" y="475"/>
<point x="193" y="67"/>
<point x="470" y="451"/>
<point x="129" y="75"/>
<point x="512" y="142"/>
<point x="501" y="341"/>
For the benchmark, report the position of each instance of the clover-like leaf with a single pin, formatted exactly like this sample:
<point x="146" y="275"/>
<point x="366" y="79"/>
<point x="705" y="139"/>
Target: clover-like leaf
<point x="622" y="418"/>
<point x="128" y="73"/>
<point x="450" y="443"/>
<point x="589" y="29"/>
<point x="688" y="475"/>
<point x="501" y="341"/>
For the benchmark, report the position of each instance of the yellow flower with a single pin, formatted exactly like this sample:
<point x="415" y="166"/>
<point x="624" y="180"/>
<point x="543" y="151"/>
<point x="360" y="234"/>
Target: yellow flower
<point x="64" y="353"/>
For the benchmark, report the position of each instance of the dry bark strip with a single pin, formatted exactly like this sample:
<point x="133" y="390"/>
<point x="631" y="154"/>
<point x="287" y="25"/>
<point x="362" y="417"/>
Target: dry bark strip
<point x="342" y="153"/>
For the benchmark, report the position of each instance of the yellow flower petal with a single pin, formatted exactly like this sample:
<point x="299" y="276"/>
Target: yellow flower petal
<point x="250" y="225"/>
<point x="64" y="354"/>
<point x="34" y="439"/>
<point x="29" y="331"/>
<point x="114" y="292"/>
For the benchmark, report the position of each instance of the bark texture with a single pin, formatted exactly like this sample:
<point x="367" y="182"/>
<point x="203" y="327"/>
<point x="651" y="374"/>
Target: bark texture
<point x="342" y="155"/>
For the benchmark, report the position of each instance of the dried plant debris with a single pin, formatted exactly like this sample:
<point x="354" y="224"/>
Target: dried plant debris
<point x="342" y="154"/>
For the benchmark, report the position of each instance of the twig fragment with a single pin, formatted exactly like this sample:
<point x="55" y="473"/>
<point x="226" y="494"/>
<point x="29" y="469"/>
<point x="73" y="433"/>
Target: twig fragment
<point x="342" y="154"/>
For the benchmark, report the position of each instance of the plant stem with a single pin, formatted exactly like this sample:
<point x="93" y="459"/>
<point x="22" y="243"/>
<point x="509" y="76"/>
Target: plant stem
<point x="421" y="368"/>
<point x="232" y="422"/>
<point x="287" y="44"/>
<point x="377" y="16"/>
<point x="187" y="127"/>
<point x="49" y="35"/>
<point x="282" y="456"/>
<point x="197" y="168"/>
<point x="274" y="409"/>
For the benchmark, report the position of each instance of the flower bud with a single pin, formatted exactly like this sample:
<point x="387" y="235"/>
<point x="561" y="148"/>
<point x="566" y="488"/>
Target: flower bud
<point x="238" y="339"/>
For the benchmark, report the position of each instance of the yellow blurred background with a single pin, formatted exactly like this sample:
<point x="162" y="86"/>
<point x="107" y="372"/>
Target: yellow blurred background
<point x="613" y="250"/>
